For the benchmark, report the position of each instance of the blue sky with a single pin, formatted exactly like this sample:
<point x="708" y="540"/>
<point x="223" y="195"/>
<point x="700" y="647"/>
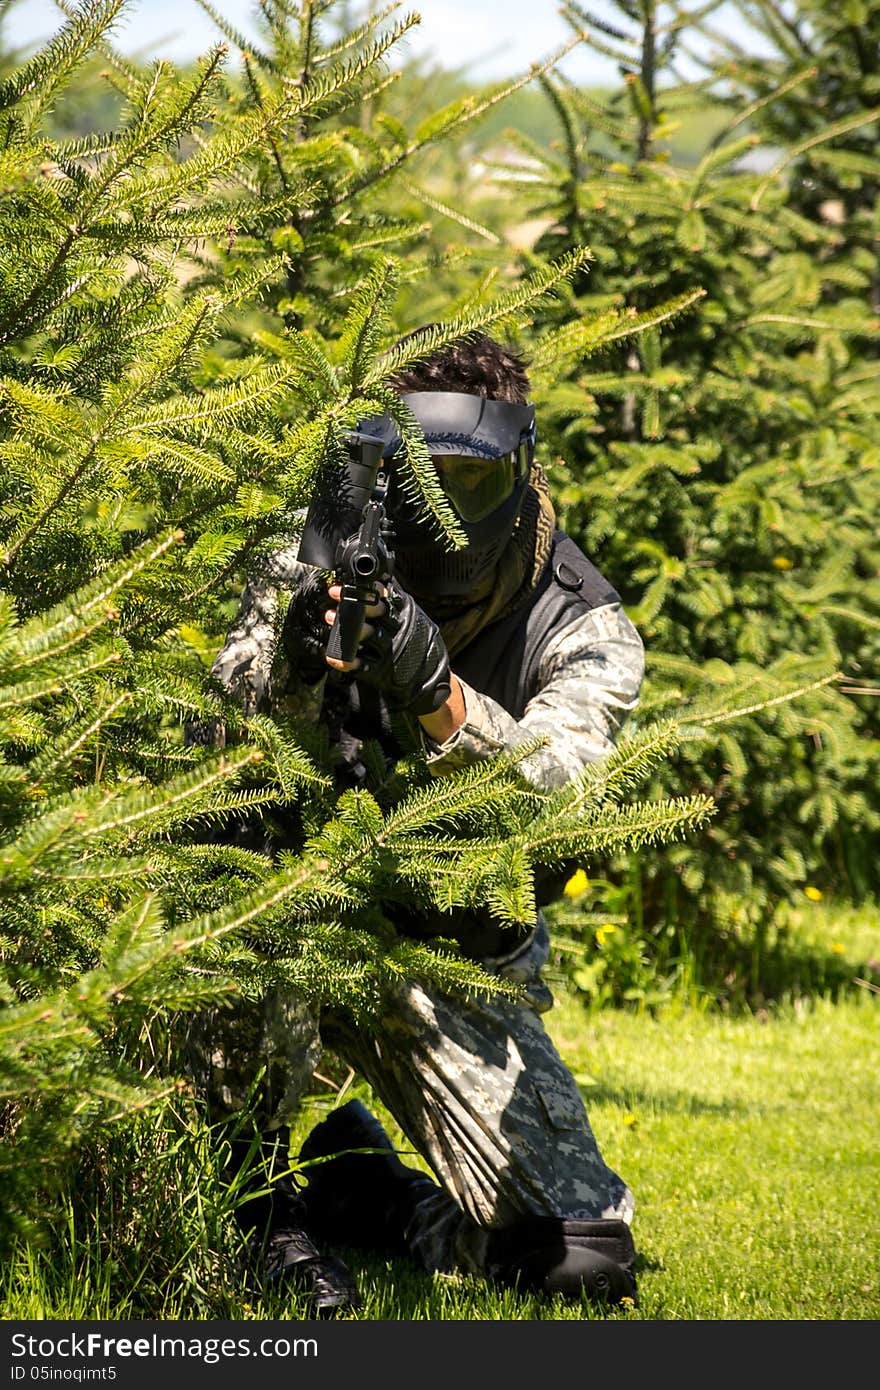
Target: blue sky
<point x="491" y="38"/>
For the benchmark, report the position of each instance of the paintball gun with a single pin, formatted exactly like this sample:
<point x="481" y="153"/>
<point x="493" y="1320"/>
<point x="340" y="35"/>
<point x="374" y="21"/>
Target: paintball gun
<point x="347" y="531"/>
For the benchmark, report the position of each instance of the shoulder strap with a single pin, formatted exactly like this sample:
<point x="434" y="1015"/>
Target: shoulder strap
<point x="574" y="573"/>
<point x="503" y="660"/>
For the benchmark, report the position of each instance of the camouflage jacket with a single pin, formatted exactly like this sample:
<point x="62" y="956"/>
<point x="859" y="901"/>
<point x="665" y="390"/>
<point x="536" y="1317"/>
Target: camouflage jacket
<point x="589" y="674"/>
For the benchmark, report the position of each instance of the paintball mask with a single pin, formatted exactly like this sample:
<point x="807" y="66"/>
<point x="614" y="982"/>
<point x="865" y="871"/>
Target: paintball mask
<point x="482" y="451"/>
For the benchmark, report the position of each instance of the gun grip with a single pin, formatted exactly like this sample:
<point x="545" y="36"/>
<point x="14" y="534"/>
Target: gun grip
<point x="345" y="633"/>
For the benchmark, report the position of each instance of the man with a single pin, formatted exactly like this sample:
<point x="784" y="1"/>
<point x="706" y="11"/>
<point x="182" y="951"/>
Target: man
<point x="514" y="636"/>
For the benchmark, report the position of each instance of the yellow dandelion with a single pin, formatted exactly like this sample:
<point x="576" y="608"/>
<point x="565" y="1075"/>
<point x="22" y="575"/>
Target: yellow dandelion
<point x="814" y="894"/>
<point x="577" y="884"/>
<point x="602" y="933"/>
<point x="838" y="948"/>
<point x="629" y="1120"/>
<point x="782" y="562"/>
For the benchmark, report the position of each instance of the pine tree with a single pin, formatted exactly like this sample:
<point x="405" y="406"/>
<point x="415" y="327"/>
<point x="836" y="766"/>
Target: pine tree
<point x="824" y="124"/>
<point x="721" y="471"/>
<point x="134" y="474"/>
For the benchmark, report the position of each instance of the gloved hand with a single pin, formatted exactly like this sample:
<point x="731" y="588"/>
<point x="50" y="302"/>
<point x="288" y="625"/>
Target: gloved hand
<point x="405" y="657"/>
<point x="304" y="634"/>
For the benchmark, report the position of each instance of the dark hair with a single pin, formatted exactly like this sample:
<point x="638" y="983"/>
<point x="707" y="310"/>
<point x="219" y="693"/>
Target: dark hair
<point x="476" y="365"/>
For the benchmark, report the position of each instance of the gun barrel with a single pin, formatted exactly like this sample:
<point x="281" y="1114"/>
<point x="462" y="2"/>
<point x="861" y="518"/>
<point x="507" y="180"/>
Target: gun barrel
<point x="344" y="533"/>
<point x="339" y="501"/>
<point x="365" y="560"/>
<point x="366" y="565"/>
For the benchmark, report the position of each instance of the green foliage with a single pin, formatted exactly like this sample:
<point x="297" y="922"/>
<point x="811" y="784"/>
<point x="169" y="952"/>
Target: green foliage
<point x="197" y="299"/>
<point x="721" y="468"/>
<point x="155" y="431"/>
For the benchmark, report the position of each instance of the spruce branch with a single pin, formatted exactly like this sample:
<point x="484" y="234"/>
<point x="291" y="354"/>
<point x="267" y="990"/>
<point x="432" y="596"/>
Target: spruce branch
<point x="701" y="722"/>
<point x="58" y="629"/>
<point x="616" y="827"/>
<point x="541" y="283"/>
<point x="751" y="109"/>
<point x="98" y="813"/>
<point x="454" y="214"/>
<point x="123" y="156"/>
<point x="235" y="36"/>
<point x="578" y="338"/>
<point x="291" y="764"/>
<point x="859" y="327"/>
<point x="468" y="795"/>
<point x="365" y="324"/>
<point x="831" y="132"/>
<point x="29" y="692"/>
<point x="234" y="403"/>
<point x="50" y="68"/>
<point x="627" y="765"/>
<point x="453" y="118"/>
<point x="61" y="753"/>
<point x="356" y="36"/>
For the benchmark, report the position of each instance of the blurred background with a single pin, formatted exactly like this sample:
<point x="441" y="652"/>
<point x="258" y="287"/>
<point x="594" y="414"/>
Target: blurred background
<point x="481" y="37"/>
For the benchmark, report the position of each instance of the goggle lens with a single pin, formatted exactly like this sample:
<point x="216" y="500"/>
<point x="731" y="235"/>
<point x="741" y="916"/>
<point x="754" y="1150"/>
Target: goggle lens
<point x="475" y="486"/>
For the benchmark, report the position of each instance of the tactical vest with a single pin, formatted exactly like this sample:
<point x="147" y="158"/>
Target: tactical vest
<point x="503" y="662"/>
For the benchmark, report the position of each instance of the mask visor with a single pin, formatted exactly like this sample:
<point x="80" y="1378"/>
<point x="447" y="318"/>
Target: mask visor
<point x="476" y="487"/>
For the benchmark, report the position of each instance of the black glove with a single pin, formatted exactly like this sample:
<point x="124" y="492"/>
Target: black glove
<point x="406" y="658"/>
<point x="304" y="635"/>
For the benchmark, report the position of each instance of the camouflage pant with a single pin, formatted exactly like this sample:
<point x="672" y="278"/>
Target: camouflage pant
<point x="476" y="1085"/>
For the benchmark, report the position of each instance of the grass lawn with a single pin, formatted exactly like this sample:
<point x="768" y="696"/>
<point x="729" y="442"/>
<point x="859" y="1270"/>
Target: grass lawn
<point x="752" y="1148"/>
<point x="751" y="1144"/>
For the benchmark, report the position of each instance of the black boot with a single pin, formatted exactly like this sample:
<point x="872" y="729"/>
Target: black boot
<point x="363" y="1200"/>
<point x="545" y="1254"/>
<point x="280" y="1246"/>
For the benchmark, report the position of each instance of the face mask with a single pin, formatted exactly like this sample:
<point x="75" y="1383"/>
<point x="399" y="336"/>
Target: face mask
<point x="483" y="452"/>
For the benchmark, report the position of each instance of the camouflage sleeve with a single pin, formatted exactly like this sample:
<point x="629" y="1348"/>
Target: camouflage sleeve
<point x="588" y="682"/>
<point x="246" y="665"/>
